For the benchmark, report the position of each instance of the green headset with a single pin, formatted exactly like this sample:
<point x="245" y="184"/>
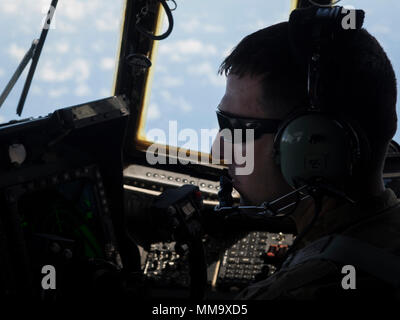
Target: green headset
<point x="314" y="145"/>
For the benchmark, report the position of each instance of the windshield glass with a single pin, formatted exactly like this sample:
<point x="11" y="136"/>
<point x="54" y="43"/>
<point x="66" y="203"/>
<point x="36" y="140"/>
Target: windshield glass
<point x="186" y="88"/>
<point x="77" y="63"/>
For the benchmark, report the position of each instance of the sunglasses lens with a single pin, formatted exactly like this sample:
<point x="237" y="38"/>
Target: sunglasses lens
<point x="224" y="122"/>
<point x="232" y="130"/>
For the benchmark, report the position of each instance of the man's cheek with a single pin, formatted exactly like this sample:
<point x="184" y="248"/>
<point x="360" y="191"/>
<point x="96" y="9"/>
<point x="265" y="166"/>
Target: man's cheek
<point x="244" y="156"/>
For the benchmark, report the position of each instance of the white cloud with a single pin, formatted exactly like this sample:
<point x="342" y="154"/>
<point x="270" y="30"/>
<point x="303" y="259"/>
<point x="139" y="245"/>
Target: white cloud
<point x="183" y="104"/>
<point x="194" y="25"/>
<point x="62" y="47"/>
<point x="98" y="46"/>
<point x="169" y="81"/>
<point x="2" y="119"/>
<point x="258" y="24"/>
<point x="206" y="70"/>
<point x="153" y="112"/>
<point x="56" y="93"/>
<point x="21" y="7"/>
<point x="2" y="72"/>
<point x="107" y="22"/>
<point x="227" y="51"/>
<point x="17" y="52"/>
<point x="213" y="28"/>
<point x="104" y="92"/>
<point x="78" y="70"/>
<point x="179" y="102"/>
<point x="77" y="9"/>
<point x="107" y="63"/>
<point x="166" y="95"/>
<point x="27" y="13"/>
<point x="82" y="90"/>
<point x="36" y="90"/>
<point x="65" y="27"/>
<point x="8" y="6"/>
<point x="179" y="49"/>
<point x="380" y="29"/>
<point x="190" y="25"/>
<point x="161" y="68"/>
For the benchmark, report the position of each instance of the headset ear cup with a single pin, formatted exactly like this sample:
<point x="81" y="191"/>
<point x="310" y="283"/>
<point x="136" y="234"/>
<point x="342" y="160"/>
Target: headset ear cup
<point x="364" y="159"/>
<point x="278" y="136"/>
<point x="317" y="146"/>
<point x="361" y="147"/>
<point x="275" y="151"/>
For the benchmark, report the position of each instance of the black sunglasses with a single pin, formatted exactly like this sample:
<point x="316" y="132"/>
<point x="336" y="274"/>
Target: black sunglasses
<point x="259" y="126"/>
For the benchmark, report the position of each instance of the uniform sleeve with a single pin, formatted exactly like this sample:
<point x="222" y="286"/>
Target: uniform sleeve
<point x="301" y="282"/>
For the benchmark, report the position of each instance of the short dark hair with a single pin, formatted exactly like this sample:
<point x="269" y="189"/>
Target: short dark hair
<point x="359" y="81"/>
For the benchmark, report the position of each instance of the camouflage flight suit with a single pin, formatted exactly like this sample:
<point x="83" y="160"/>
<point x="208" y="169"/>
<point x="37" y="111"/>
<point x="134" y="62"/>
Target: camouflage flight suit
<point x="374" y="221"/>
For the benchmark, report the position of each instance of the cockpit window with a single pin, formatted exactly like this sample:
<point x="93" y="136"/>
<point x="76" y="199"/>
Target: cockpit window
<point x="185" y="88"/>
<point x="78" y="60"/>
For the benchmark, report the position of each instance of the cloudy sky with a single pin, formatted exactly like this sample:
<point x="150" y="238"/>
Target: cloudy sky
<point x="78" y="60"/>
<point x="186" y="86"/>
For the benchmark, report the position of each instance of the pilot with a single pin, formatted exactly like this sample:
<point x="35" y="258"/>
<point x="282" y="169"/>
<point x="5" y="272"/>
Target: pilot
<point x="266" y="81"/>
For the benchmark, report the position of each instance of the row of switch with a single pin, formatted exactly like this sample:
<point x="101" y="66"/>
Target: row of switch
<point x="183" y="180"/>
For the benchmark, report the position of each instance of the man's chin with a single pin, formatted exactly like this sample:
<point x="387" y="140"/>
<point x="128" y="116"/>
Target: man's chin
<point x="244" y="201"/>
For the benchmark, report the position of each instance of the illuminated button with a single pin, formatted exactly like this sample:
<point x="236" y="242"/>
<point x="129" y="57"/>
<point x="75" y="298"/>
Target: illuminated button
<point x="55" y="247"/>
<point x="280" y="237"/>
<point x="148" y="174"/>
<point x="178" y="179"/>
<point x="202" y="185"/>
<point x="185" y="180"/>
<point x="192" y="182"/>
<point x="67" y="254"/>
<point x="170" y="178"/>
<point x="162" y="176"/>
<point x="210" y="186"/>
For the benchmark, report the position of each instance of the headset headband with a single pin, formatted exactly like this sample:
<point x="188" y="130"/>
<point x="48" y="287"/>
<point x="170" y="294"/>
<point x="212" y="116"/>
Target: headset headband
<point x="311" y="30"/>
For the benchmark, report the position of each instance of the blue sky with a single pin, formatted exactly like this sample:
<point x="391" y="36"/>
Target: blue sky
<point x="78" y="60"/>
<point x="186" y="86"/>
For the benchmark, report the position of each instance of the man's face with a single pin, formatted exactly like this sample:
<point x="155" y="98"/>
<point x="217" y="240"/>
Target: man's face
<point x="243" y="97"/>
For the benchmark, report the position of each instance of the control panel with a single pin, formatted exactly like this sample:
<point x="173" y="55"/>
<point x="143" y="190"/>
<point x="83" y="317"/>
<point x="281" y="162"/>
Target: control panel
<point x="251" y="258"/>
<point x="154" y="181"/>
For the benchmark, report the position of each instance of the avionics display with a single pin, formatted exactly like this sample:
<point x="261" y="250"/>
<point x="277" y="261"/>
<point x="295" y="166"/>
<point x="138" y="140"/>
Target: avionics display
<point x="64" y="222"/>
